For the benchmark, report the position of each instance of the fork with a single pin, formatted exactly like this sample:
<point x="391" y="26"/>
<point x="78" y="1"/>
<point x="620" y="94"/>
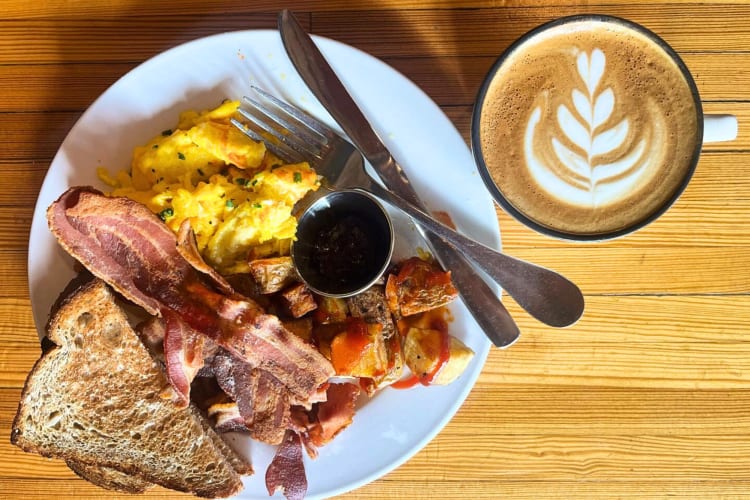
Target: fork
<point x="295" y="136"/>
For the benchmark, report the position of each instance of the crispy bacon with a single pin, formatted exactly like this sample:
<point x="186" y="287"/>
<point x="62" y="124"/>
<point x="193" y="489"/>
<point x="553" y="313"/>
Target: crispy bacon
<point x="183" y="354"/>
<point x="287" y="471"/>
<point x="187" y="246"/>
<point x="262" y="401"/>
<point x="335" y="414"/>
<point x="226" y="417"/>
<point x="124" y="246"/>
<point x="123" y="243"/>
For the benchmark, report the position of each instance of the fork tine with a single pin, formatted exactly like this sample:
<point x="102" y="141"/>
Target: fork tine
<point x="288" y="133"/>
<point x="298" y="114"/>
<point x="278" y="149"/>
<point x="260" y="130"/>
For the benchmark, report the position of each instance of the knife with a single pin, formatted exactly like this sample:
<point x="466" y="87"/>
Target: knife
<point x="479" y="298"/>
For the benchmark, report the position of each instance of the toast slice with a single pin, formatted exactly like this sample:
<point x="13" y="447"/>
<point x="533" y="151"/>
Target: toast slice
<point x="112" y="479"/>
<point x="98" y="400"/>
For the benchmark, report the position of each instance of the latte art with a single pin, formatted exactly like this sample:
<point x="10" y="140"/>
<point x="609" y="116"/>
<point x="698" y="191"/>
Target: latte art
<point x="577" y="170"/>
<point x="587" y="127"/>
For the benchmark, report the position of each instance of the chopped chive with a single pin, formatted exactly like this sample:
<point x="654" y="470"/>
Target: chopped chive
<point x="167" y="132"/>
<point x="155" y="146"/>
<point x="241" y="181"/>
<point x="297" y="177"/>
<point x="200" y="172"/>
<point x="166" y="213"/>
<point x="180" y="156"/>
<point x="257" y="205"/>
<point x="230" y="203"/>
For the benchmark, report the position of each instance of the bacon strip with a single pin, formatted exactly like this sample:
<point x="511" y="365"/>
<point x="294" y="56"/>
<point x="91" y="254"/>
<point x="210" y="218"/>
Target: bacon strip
<point x="287" y="471"/>
<point x="183" y="354"/>
<point x="335" y="414"/>
<point x="124" y="244"/>
<point x="188" y="248"/>
<point x="263" y="402"/>
<point x="101" y="251"/>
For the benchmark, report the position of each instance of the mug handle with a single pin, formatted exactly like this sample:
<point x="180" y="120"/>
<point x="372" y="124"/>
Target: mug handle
<point x="719" y="128"/>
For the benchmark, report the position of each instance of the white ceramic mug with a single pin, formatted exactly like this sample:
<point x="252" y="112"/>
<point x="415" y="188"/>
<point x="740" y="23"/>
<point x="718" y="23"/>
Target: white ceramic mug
<point x="590" y="127"/>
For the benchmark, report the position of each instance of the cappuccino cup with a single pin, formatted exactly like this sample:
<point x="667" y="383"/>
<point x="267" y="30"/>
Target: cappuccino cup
<point x="590" y="127"/>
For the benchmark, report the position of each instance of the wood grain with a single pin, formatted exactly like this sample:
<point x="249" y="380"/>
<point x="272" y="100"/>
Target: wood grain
<point x="647" y="396"/>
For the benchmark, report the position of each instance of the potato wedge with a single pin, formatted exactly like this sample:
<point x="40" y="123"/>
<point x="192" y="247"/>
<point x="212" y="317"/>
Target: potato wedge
<point x="422" y="354"/>
<point x="359" y="351"/>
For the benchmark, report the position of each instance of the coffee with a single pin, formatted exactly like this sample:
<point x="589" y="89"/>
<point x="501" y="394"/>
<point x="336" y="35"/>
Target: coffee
<point x="589" y="126"/>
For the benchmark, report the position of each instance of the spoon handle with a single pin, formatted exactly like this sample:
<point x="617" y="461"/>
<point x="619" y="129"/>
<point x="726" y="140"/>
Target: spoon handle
<point x="546" y="295"/>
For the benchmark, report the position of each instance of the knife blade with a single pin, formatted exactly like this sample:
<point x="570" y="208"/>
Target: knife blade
<point x="481" y="301"/>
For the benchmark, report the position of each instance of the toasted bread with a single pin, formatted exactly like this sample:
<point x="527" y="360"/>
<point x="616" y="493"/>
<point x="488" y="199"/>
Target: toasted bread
<point x="109" y="478"/>
<point x="98" y="400"/>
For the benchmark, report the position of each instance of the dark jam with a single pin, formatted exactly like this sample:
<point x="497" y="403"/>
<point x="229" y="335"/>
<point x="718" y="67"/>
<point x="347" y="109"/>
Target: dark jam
<point x="344" y="251"/>
<point x="344" y="243"/>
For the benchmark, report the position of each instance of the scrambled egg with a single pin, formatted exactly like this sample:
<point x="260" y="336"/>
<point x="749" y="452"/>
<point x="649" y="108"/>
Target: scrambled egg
<point x="238" y="196"/>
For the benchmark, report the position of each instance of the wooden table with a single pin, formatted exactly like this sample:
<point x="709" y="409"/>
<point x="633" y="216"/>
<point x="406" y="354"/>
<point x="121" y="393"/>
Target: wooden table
<point x="647" y="396"/>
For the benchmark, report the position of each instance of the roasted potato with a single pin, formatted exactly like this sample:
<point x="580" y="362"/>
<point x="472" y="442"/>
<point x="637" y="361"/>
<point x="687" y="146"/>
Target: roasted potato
<point x="419" y="286"/>
<point x="272" y="274"/>
<point x="423" y="351"/>
<point x="298" y="300"/>
<point x="359" y="351"/>
<point x="331" y="310"/>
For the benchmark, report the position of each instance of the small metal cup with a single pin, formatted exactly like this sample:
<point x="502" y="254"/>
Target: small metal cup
<point x="344" y="243"/>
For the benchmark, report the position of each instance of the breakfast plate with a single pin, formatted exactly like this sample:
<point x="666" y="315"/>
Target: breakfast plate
<point x="395" y="424"/>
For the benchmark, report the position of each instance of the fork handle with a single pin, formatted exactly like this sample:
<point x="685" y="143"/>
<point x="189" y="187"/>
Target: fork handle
<point x="546" y="295"/>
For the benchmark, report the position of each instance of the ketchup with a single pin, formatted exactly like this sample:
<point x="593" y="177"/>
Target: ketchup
<point x="436" y="322"/>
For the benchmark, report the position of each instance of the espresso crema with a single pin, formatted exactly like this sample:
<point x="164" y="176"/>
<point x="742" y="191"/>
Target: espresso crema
<point x="589" y="127"/>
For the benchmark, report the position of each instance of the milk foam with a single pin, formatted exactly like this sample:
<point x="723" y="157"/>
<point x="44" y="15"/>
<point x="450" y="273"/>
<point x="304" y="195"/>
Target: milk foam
<point x="579" y="178"/>
<point x="588" y="127"/>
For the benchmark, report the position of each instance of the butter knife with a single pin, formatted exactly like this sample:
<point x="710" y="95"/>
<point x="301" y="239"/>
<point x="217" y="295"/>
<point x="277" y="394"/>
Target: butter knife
<point x="544" y="294"/>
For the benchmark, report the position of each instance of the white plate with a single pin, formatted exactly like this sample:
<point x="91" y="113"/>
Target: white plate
<point x="396" y="424"/>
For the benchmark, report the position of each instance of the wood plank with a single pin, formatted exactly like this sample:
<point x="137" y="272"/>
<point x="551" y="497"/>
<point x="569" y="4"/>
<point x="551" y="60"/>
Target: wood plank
<point x="639" y="321"/>
<point x="25" y="177"/>
<point x="703" y="366"/>
<point x="15" y="275"/>
<point x="566" y="411"/>
<point x="652" y="270"/>
<point x="396" y="486"/>
<point x="384" y="33"/>
<point x="17" y="330"/>
<point x="35" y="137"/>
<point x="18" y="9"/>
<point x="123" y="39"/>
<point x="476" y="32"/>
<point x="15" y="223"/>
<point x="590" y="457"/>
<point x="440" y="483"/>
<point x="55" y="87"/>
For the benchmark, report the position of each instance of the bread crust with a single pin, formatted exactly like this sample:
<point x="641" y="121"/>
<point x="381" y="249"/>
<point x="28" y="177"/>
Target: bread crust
<point x="109" y="478"/>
